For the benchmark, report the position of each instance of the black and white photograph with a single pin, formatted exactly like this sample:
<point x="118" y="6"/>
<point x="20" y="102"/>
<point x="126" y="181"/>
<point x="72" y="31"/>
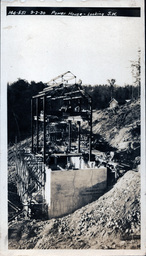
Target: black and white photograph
<point x="72" y="128"/>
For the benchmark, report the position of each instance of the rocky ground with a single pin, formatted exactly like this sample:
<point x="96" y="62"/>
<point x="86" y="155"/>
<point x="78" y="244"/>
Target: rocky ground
<point x="119" y="127"/>
<point x="111" y="222"/>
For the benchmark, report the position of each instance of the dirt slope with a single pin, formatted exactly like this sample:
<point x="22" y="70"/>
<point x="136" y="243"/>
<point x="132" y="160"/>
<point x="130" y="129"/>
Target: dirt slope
<point x="111" y="222"/>
<point x="119" y="127"/>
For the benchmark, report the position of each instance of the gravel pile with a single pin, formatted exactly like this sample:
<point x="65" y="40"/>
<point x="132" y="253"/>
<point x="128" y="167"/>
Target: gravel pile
<point x="111" y="222"/>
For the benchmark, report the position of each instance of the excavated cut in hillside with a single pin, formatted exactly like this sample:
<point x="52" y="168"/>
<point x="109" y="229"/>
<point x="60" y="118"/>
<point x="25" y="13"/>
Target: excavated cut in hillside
<point x="119" y="126"/>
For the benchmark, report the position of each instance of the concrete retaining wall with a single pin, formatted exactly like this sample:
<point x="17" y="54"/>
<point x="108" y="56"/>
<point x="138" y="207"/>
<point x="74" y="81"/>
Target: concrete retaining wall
<point x="72" y="189"/>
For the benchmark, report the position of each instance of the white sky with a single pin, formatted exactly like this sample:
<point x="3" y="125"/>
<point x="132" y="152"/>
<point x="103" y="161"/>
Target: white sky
<point x="39" y="48"/>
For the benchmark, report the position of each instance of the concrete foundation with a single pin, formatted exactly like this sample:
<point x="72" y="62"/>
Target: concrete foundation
<point x="68" y="190"/>
<point x="58" y="192"/>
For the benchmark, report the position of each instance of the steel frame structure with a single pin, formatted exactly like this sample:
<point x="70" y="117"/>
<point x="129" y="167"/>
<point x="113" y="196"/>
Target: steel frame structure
<point x="74" y="96"/>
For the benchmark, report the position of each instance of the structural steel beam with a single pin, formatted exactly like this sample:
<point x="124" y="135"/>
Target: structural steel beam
<point x="32" y="120"/>
<point x="76" y="115"/>
<point x="78" y="122"/>
<point x="62" y="77"/>
<point x="69" y="146"/>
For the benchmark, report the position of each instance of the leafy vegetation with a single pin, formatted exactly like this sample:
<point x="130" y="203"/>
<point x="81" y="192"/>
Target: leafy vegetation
<point x="19" y="108"/>
<point x="102" y="94"/>
<point x="21" y="92"/>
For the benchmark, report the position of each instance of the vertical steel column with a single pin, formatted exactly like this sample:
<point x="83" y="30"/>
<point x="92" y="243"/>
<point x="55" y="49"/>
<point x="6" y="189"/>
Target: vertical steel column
<point x="80" y="103"/>
<point x="44" y="109"/>
<point x="37" y="124"/>
<point x="90" y="136"/>
<point x="69" y="146"/>
<point x="32" y="118"/>
<point x="78" y="122"/>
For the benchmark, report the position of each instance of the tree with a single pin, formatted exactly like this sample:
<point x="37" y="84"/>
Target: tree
<point x="19" y="108"/>
<point x="111" y="82"/>
<point x="136" y="72"/>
